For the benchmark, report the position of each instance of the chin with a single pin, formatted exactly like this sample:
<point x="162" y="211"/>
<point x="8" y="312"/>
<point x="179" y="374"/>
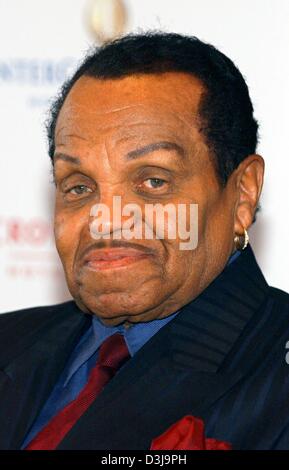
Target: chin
<point x="116" y="307"/>
<point x="117" y="295"/>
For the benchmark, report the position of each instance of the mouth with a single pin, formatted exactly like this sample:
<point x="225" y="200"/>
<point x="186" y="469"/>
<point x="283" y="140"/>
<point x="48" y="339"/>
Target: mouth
<point x="111" y="258"/>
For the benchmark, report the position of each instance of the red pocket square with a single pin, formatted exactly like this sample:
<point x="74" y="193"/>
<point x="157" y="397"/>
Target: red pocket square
<point x="187" y="434"/>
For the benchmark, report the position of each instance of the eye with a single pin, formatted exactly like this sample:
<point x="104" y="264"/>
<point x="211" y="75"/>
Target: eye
<point x="154" y="183"/>
<point x="79" y="189"/>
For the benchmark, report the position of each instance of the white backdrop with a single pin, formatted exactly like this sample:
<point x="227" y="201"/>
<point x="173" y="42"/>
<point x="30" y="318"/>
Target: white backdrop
<point x="40" y="41"/>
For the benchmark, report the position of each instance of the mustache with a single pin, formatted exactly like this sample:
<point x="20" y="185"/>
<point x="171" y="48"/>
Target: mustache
<point x="116" y="244"/>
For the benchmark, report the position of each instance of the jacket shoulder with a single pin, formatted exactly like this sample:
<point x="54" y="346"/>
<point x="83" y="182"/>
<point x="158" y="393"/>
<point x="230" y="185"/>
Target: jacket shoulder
<point x="23" y="328"/>
<point x="35" y="316"/>
<point x="279" y="295"/>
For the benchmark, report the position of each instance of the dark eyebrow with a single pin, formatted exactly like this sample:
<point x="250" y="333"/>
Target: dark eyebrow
<point x="153" y="147"/>
<point x="66" y="158"/>
<point x="139" y="152"/>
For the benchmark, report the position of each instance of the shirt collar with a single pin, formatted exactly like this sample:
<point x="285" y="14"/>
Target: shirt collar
<point x="135" y="336"/>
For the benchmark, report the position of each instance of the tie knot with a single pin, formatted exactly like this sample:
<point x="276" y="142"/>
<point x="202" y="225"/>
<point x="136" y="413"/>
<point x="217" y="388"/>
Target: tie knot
<point x="113" y="352"/>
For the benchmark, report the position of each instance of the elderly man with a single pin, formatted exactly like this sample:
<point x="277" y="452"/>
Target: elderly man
<point x="160" y="335"/>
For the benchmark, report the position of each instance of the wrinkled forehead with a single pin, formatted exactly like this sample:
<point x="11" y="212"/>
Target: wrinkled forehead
<point x="166" y="101"/>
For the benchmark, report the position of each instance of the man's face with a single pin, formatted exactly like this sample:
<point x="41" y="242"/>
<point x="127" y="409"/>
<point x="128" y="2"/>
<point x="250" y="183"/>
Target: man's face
<point x="137" y="138"/>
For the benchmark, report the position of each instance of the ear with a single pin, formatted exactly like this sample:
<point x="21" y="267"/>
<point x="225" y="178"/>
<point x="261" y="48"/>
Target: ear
<point x="249" y="179"/>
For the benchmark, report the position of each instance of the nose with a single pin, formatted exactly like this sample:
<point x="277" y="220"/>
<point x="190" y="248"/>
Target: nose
<point x="114" y="219"/>
<point x="105" y="218"/>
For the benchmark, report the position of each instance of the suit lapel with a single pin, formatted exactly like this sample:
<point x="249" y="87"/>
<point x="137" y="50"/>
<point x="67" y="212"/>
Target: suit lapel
<point x="180" y="370"/>
<point x="26" y="382"/>
<point x="147" y="396"/>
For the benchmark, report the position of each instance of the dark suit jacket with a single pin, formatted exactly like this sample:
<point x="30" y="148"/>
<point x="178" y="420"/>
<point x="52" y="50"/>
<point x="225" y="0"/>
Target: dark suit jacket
<point x="222" y="358"/>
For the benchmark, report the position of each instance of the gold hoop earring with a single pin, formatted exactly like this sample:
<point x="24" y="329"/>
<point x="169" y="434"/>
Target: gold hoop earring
<point x="241" y="241"/>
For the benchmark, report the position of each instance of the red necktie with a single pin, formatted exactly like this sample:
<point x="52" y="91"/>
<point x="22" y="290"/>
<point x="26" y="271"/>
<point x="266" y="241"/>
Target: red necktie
<point x="112" y="354"/>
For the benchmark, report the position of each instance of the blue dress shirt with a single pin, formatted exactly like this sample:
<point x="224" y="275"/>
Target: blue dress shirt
<point x="84" y="356"/>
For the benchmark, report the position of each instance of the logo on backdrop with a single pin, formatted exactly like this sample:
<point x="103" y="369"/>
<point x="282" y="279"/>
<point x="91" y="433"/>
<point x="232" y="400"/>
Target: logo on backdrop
<point x="27" y="248"/>
<point x="37" y="76"/>
<point x="107" y="19"/>
<point x="23" y="71"/>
